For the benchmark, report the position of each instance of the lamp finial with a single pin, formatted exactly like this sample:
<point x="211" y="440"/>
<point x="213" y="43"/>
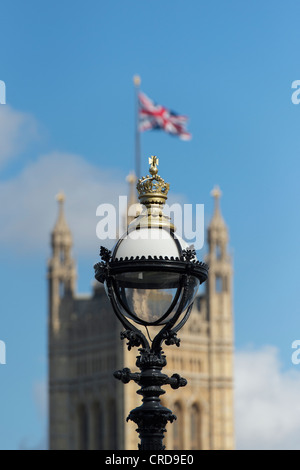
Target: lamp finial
<point x="153" y="161"/>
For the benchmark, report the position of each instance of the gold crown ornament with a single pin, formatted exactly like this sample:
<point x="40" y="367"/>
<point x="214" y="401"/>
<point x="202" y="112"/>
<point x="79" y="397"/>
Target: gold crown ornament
<point x="153" y="191"/>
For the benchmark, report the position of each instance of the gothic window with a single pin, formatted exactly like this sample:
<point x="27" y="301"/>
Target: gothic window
<point x="98" y="427"/>
<point x="178" y="427"/>
<point x="112" y="425"/>
<point x="225" y="284"/>
<point x="195" y="427"/>
<point x="61" y="289"/>
<point x="218" y="251"/>
<point x="83" y="427"/>
<point x="198" y="303"/>
<point x="219" y="283"/>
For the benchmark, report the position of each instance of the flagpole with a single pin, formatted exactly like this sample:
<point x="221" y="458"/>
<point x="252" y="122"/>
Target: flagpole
<point x="137" y="82"/>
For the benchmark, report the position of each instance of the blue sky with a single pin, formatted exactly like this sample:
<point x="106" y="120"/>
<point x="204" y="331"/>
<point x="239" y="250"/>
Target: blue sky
<point x="69" y="124"/>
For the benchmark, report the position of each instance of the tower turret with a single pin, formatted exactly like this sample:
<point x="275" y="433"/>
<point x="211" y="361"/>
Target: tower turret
<point x="61" y="266"/>
<point x="220" y="318"/>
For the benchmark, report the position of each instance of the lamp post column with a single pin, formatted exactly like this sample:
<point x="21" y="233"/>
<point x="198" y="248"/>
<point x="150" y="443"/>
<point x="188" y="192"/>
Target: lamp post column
<point x="151" y="417"/>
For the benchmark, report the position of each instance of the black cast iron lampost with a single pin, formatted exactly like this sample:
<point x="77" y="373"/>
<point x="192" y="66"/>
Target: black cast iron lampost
<point x="151" y="278"/>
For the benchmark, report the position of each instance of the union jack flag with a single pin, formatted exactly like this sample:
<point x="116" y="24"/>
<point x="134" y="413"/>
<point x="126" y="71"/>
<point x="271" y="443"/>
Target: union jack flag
<point x="155" y="116"/>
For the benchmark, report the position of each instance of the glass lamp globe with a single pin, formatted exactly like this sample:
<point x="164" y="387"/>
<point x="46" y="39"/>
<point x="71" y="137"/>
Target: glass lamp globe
<point x="151" y="289"/>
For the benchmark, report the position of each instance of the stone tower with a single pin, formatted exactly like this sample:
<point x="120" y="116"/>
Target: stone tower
<point x="89" y="407"/>
<point x="220" y="317"/>
<point x="61" y="282"/>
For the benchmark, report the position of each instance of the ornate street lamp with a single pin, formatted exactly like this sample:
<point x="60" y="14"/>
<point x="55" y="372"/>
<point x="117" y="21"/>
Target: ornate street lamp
<point x="151" y="278"/>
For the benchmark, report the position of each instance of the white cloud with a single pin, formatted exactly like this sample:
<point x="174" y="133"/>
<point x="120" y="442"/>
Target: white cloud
<point x="17" y="129"/>
<point x="29" y="210"/>
<point x="267" y="407"/>
<point x="40" y="395"/>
